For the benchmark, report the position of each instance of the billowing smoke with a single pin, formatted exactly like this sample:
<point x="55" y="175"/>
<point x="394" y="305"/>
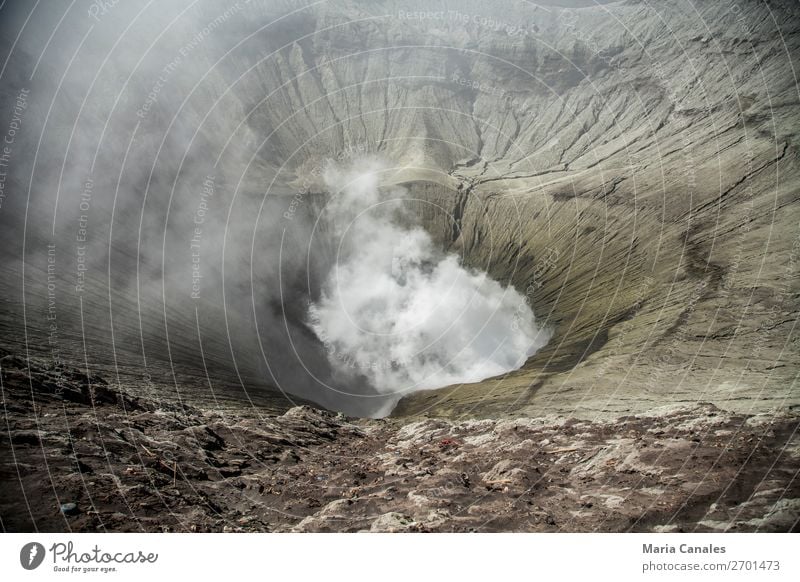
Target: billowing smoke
<point x="401" y="312"/>
<point x="158" y="199"/>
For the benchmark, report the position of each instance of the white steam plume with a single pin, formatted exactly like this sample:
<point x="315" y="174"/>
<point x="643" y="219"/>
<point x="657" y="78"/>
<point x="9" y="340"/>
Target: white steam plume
<point x="402" y="313"/>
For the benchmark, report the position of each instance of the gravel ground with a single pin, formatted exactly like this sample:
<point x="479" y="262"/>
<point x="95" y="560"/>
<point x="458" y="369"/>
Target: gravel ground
<point x="131" y="464"/>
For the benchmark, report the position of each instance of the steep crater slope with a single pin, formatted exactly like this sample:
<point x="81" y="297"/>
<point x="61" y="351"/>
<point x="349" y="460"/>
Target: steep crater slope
<point x="631" y="168"/>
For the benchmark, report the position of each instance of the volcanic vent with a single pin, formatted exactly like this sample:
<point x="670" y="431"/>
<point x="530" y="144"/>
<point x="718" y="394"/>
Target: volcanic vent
<point x="567" y="239"/>
<point x="628" y="199"/>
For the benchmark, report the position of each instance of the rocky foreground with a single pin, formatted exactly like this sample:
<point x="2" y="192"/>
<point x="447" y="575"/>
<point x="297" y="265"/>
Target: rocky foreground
<point x="134" y="464"/>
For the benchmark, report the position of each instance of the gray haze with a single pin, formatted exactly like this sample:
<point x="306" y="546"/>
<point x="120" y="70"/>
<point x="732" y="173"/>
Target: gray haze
<point x="563" y="147"/>
<point x="171" y="154"/>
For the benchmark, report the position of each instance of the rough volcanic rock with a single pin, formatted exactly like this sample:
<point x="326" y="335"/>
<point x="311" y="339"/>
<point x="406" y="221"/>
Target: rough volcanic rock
<point x="630" y="167"/>
<point x="157" y="468"/>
